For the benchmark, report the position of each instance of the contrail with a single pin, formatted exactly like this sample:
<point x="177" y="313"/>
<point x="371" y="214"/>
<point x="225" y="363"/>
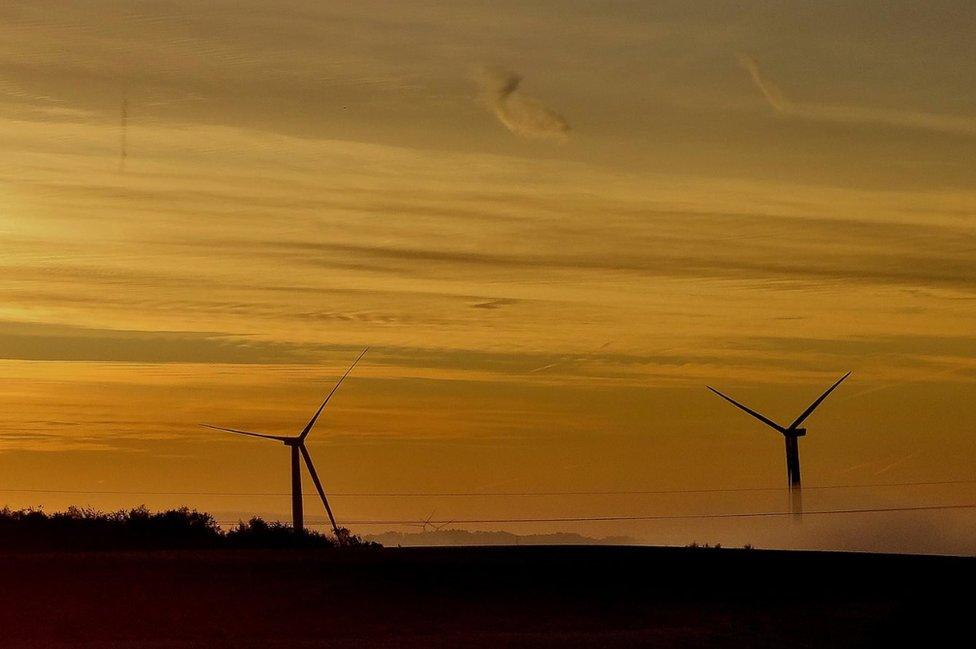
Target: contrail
<point x="544" y="367"/>
<point x="887" y="386"/>
<point x="124" y="134"/>
<point x="570" y="360"/>
<point x="522" y="115"/>
<point x="769" y="90"/>
<point x="897" y="462"/>
<point x="844" y="114"/>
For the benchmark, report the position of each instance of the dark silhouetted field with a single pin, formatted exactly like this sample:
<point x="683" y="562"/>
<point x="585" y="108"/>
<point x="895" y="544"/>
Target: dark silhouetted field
<point x="481" y="597"/>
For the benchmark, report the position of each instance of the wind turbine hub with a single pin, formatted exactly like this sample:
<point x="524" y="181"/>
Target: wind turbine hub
<point x="797" y="432"/>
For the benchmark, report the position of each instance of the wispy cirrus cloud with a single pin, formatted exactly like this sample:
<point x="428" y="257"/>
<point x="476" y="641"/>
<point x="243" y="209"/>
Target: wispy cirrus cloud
<point x="38" y="341"/>
<point x="848" y="114"/>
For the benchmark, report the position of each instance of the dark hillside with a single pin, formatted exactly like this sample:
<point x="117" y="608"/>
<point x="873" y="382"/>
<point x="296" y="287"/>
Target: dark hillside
<point x="482" y="597"/>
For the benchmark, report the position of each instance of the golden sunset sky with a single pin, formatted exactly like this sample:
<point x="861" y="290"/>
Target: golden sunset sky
<point x="208" y="209"/>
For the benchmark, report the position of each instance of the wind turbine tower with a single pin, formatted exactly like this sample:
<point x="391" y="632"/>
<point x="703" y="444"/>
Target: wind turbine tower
<point x="299" y="453"/>
<point x="791" y="434"/>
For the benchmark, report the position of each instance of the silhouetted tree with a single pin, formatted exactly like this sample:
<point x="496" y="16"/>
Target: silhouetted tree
<point x="140" y="529"/>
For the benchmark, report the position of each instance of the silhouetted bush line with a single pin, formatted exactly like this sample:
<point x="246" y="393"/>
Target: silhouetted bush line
<point x="81" y="529"/>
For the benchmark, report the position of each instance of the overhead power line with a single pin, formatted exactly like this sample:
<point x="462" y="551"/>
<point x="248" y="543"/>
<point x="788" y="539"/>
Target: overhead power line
<point x="484" y="494"/>
<point x="651" y="517"/>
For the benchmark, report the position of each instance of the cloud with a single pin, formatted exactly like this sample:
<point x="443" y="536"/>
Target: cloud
<point x="11" y="88"/>
<point x="494" y="304"/>
<point x="522" y="115"/>
<point x="691" y="251"/>
<point x="770" y="91"/>
<point x="38" y="341"/>
<point x="845" y="114"/>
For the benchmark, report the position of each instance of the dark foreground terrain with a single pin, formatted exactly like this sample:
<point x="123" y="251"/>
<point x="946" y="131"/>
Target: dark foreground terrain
<point x="483" y="597"/>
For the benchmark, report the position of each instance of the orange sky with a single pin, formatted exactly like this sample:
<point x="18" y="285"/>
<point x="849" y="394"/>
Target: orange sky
<point x="547" y="271"/>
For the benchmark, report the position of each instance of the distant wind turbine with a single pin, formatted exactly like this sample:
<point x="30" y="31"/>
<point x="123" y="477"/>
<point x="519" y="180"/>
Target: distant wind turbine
<point x="427" y="523"/>
<point x="791" y="433"/>
<point x="297" y="445"/>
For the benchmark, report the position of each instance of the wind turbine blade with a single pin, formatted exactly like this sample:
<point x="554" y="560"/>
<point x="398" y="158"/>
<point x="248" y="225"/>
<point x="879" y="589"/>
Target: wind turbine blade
<point x="813" y="406"/>
<point x="280" y="438"/>
<point x="318" y="486"/>
<point x="765" y="420"/>
<point x="318" y="412"/>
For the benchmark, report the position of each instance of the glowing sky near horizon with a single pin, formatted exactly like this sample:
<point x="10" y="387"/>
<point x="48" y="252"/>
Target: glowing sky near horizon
<point x="547" y="270"/>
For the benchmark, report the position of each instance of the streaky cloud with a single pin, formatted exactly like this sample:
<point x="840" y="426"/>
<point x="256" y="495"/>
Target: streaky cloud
<point x="522" y="115"/>
<point x="846" y="114"/>
<point x="770" y="91"/>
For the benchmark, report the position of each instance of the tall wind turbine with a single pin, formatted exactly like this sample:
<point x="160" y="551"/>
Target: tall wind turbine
<point x="297" y="445"/>
<point x="791" y="433"/>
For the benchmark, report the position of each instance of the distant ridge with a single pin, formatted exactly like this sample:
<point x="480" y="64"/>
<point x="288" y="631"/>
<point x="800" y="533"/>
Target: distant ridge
<point x="465" y="537"/>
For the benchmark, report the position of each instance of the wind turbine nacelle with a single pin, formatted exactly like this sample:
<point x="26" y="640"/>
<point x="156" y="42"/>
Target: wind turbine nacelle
<point x="797" y="432"/>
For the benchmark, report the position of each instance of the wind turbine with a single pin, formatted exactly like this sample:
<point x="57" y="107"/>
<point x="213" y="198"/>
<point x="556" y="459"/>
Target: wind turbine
<point x="423" y="525"/>
<point x="791" y="433"/>
<point x="297" y="445"/>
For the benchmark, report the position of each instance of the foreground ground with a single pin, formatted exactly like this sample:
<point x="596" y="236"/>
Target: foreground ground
<point x="482" y="597"/>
